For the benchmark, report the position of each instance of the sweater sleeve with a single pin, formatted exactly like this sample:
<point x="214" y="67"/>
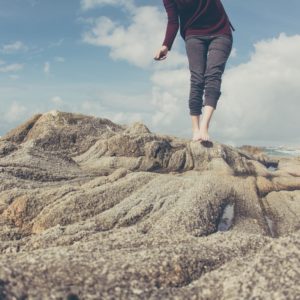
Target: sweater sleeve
<point x="173" y="23"/>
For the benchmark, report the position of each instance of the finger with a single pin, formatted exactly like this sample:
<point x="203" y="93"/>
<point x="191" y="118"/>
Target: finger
<point x="157" y="55"/>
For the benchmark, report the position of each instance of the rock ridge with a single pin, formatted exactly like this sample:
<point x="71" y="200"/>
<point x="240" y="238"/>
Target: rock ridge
<point x="97" y="210"/>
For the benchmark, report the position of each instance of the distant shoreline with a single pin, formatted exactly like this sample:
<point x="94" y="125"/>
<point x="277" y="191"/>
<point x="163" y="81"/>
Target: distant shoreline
<point x="281" y="151"/>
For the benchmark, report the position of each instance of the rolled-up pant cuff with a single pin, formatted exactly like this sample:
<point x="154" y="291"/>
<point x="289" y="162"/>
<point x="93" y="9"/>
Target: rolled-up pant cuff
<point x="195" y="113"/>
<point x="212" y="97"/>
<point x="211" y="102"/>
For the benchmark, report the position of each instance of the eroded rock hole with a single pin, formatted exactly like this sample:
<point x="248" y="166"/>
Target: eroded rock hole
<point x="271" y="226"/>
<point x="226" y="219"/>
<point x="272" y="166"/>
<point x="72" y="296"/>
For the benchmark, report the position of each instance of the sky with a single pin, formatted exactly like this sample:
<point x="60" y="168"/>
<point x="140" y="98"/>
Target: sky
<point x="95" y="57"/>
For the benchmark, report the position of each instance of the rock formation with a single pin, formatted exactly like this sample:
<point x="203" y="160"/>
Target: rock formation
<point x="90" y="209"/>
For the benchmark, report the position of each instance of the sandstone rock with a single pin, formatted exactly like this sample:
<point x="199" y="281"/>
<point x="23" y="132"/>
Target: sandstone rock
<point x="252" y="149"/>
<point x="284" y="207"/>
<point x="290" y="166"/>
<point x="90" y="209"/>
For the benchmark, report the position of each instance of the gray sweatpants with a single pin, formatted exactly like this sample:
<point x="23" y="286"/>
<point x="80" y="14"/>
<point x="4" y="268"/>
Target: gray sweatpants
<point x="207" y="56"/>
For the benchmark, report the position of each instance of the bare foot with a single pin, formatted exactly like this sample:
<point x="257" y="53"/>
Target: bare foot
<point x="204" y="132"/>
<point x="196" y="135"/>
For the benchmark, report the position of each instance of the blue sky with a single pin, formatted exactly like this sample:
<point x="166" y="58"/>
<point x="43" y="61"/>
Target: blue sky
<point x="58" y="55"/>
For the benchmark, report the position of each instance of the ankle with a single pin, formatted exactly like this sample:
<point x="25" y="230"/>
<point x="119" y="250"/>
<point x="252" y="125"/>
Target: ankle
<point x="204" y="122"/>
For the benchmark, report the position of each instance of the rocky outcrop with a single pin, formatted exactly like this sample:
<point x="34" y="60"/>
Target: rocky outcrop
<point x="94" y="210"/>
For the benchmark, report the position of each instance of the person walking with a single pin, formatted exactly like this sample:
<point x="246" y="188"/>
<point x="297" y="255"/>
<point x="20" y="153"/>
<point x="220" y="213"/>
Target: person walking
<point x="207" y="32"/>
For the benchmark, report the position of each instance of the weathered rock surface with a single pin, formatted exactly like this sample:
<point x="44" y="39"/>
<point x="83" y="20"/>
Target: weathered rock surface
<point x="93" y="210"/>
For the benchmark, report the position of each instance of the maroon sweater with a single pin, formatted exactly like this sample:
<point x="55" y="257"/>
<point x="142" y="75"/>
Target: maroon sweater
<point x="203" y="17"/>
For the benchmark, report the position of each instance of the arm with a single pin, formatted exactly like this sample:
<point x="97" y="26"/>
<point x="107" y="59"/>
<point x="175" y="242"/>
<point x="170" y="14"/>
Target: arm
<point x="173" y="23"/>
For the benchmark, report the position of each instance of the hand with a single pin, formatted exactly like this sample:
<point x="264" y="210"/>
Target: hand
<point x="161" y="53"/>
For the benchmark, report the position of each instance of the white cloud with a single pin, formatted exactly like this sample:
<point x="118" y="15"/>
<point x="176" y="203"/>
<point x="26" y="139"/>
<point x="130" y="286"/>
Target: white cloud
<point x="168" y="107"/>
<point x="59" y="59"/>
<point x="5" y="68"/>
<point x="14" y="77"/>
<point x="33" y="3"/>
<point x="89" y="4"/>
<point x="46" y="67"/>
<point x="260" y="98"/>
<point x="14" y="47"/>
<point x="233" y="52"/>
<point x="126" y="118"/>
<point x="259" y="102"/>
<point x="15" y="112"/>
<point x="57" y="43"/>
<point x="135" y="43"/>
<point x="57" y="100"/>
<point x="95" y="108"/>
<point x="170" y="90"/>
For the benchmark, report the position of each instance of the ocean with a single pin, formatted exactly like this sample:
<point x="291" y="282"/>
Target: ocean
<point x="283" y="151"/>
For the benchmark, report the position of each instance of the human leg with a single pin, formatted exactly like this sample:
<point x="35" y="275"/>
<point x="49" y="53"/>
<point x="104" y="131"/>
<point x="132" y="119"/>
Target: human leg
<point x="218" y="53"/>
<point x="203" y="131"/>
<point x="196" y="49"/>
<point x="195" y="127"/>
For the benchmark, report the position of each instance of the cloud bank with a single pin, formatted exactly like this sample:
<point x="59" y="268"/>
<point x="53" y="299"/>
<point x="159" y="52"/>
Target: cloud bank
<point x="260" y="98"/>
